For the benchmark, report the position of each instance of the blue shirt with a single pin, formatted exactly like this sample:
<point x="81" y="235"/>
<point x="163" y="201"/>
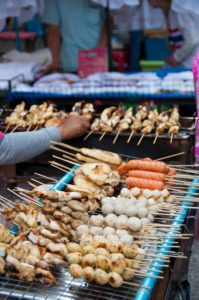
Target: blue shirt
<point x="80" y="23"/>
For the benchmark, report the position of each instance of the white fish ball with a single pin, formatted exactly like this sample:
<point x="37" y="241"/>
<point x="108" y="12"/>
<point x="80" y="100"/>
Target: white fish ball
<point x="144" y="201"/>
<point x="106" y="200"/>
<point x="82" y="229"/>
<point x="113" y="238"/>
<point x="139" y="205"/>
<point x="135" y="191"/>
<point x="97" y="220"/>
<point x="156" y="194"/>
<point x="110" y="220"/>
<point x="145" y="221"/>
<point x="119" y="209"/>
<point x="142" y="212"/>
<point x="126" y="239"/>
<point x="147" y="193"/>
<point x="121" y="232"/>
<point x="95" y="230"/>
<point x="131" y="211"/>
<point x="124" y="192"/>
<point x="151" y="218"/>
<point x="122" y="222"/>
<point x="108" y="231"/>
<point x="134" y="224"/>
<point x="131" y="201"/>
<point x="165" y="193"/>
<point x="151" y="201"/>
<point x="107" y="209"/>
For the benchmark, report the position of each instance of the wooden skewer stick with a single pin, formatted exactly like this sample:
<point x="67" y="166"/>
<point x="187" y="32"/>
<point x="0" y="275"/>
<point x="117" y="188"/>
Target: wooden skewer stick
<point x="14" y="129"/>
<point x="7" y="128"/>
<point x="72" y="159"/>
<point x="116" y="137"/>
<point x="170" y="156"/>
<point x="156" y="137"/>
<point x="186" y="171"/>
<point x="103" y="135"/>
<point x="61" y="150"/>
<point x="171" y="139"/>
<point x="27" y="199"/>
<point x="31" y="184"/>
<point x="89" y="134"/>
<point x="52" y="179"/>
<point x="66" y="146"/>
<point x="134" y="284"/>
<point x="60" y="165"/>
<point x="130" y="137"/>
<point x="29" y="127"/>
<point x="143" y="274"/>
<point x="5" y="203"/>
<point x="56" y="166"/>
<point x="37" y="181"/>
<point x="140" y="140"/>
<point x="7" y="200"/>
<point x="66" y="160"/>
<point x="36" y="127"/>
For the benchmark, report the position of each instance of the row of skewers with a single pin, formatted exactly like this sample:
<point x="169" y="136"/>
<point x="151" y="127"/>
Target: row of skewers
<point x="144" y="121"/>
<point x="43" y="115"/>
<point x="112" y="119"/>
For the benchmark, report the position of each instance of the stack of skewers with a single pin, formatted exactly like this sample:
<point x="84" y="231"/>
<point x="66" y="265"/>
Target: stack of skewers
<point x="112" y="246"/>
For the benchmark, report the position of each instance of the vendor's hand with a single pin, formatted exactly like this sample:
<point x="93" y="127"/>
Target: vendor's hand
<point x="53" y="67"/>
<point x="73" y="126"/>
<point x="171" y="61"/>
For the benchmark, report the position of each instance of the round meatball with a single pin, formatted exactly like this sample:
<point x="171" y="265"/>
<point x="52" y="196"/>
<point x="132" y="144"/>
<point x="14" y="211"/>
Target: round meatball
<point x="101" y="251"/>
<point x="89" y="260"/>
<point x="144" y="201"/>
<point x="101" y="277"/>
<point x="107" y="209"/>
<point x="74" y="247"/>
<point x="131" y="211"/>
<point x="156" y="194"/>
<point x="88" y="273"/>
<point x="121" y="232"/>
<point x="130" y="251"/>
<point x="75" y="270"/>
<point x="151" y="201"/>
<point x="135" y="191"/>
<point x="115" y="247"/>
<point x="74" y="258"/>
<point x="113" y="238"/>
<point x="89" y="249"/>
<point x="115" y="280"/>
<point x="124" y="192"/>
<point x="165" y="193"/>
<point x="147" y="193"/>
<point x="145" y="221"/>
<point x="122" y="222"/>
<point x="103" y="262"/>
<point x="128" y="274"/>
<point x="142" y="212"/>
<point x="119" y="209"/>
<point x="106" y="200"/>
<point x="97" y="220"/>
<point x="108" y="231"/>
<point x="134" y="224"/>
<point x="110" y="220"/>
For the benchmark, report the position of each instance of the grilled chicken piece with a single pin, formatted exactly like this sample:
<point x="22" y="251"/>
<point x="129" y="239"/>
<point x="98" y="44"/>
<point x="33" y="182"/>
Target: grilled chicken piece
<point x="97" y="173"/>
<point x="76" y="206"/>
<point x="81" y="181"/>
<point x="105" y="156"/>
<point x="2" y="266"/>
<point x="44" y="276"/>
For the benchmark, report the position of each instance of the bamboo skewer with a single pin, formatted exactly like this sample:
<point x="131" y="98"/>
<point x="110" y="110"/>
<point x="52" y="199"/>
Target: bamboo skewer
<point x="52" y="179"/>
<point x="156" y="137"/>
<point x="89" y="134"/>
<point x="5" y="203"/>
<point x="56" y="167"/>
<point x="72" y="159"/>
<point x="103" y="135"/>
<point x="31" y="184"/>
<point x="7" y="128"/>
<point x="66" y="146"/>
<point x="130" y="137"/>
<point x="66" y="160"/>
<point x="14" y="129"/>
<point x="60" y="165"/>
<point x="171" y="139"/>
<point x="170" y="156"/>
<point x="7" y="200"/>
<point x="37" y="181"/>
<point x="140" y="140"/>
<point x="61" y="150"/>
<point x="28" y="199"/>
<point x="116" y="137"/>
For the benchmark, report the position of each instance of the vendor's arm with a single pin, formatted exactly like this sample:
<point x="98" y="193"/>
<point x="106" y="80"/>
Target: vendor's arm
<point x="52" y="18"/>
<point x="22" y="146"/>
<point x="190" y="40"/>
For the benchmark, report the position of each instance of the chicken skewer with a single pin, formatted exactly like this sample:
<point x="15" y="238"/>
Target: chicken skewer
<point x="94" y="127"/>
<point x="124" y="123"/>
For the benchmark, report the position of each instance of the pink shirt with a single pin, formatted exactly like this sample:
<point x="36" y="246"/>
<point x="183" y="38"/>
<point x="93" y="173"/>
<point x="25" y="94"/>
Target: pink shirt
<point x="1" y="135"/>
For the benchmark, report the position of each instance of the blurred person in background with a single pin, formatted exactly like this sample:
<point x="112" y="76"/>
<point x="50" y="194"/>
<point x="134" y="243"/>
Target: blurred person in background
<point x="183" y="34"/>
<point x="73" y="25"/>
